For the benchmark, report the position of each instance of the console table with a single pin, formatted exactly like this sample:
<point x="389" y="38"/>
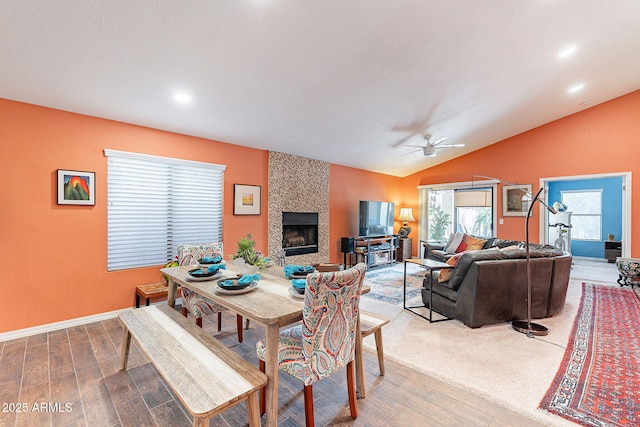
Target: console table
<point x="612" y="250"/>
<point x="378" y="251"/>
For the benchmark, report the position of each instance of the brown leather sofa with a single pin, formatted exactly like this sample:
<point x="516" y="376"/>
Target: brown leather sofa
<point x="490" y="286"/>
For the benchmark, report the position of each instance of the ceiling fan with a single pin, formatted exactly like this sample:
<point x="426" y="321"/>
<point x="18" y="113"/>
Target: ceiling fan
<point x="429" y="150"/>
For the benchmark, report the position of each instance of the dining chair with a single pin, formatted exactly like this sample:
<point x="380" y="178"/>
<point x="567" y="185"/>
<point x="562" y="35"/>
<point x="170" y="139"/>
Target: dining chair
<point x="193" y="303"/>
<point x="325" y="340"/>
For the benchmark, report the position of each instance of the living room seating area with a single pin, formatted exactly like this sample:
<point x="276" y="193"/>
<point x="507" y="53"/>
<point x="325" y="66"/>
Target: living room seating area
<point x="489" y="285"/>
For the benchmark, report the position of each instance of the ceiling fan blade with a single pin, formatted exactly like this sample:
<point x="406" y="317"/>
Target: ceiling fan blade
<point x="439" y="140"/>
<point x="417" y="146"/>
<point x="450" y="146"/>
<point x="411" y="152"/>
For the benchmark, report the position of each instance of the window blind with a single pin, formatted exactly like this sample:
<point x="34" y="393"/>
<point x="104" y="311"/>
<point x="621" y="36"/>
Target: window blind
<point x="156" y="203"/>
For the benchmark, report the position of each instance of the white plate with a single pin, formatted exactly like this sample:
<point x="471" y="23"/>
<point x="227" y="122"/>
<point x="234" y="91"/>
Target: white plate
<point x="249" y="288"/>
<point x="190" y="278"/>
<point x="294" y="294"/>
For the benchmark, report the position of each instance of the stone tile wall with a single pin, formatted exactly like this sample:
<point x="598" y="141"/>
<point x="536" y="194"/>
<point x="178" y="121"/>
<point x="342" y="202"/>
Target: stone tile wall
<point x="298" y="184"/>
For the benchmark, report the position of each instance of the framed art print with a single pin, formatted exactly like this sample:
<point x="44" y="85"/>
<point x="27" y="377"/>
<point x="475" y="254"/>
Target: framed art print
<point x="76" y="187"/>
<point x="246" y="199"/>
<point x="516" y="199"/>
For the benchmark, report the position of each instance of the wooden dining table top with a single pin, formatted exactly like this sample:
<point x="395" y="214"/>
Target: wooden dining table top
<point x="269" y="303"/>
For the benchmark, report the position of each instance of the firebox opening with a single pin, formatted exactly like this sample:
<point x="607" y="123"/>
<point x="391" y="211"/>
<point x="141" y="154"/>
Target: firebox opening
<point x="299" y="233"/>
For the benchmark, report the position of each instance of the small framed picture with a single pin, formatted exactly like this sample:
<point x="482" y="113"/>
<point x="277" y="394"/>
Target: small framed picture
<point x="246" y="199"/>
<point x="516" y="199"/>
<point x="76" y="187"/>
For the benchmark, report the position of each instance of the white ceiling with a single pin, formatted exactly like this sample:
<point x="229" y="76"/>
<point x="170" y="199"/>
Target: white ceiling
<point x="348" y="82"/>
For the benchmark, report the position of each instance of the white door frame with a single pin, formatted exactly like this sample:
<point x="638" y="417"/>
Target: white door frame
<point x="626" y="205"/>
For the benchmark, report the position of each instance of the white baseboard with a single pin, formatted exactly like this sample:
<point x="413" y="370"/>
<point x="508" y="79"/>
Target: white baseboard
<point x="27" y="332"/>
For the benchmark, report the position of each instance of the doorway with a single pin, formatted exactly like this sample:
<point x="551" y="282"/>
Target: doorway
<point x="608" y="225"/>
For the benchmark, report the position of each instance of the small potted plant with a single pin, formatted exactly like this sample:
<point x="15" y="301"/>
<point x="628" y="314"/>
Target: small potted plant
<point x="247" y="255"/>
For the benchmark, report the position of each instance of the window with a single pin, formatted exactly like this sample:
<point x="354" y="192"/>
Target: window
<point x="586" y="219"/>
<point x="156" y="203"/>
<point x="466" y="210"/>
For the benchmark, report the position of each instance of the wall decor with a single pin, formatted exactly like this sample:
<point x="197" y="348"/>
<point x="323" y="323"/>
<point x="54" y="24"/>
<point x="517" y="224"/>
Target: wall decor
<point x="246" y="199"/>
<point x="516" y="199"/>
<point x="76" y="187"/>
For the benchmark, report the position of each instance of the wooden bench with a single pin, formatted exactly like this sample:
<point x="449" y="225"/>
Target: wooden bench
<point x="205" y="375"/>
<point x="372" y="323"/>
<point x="153" y="290"/>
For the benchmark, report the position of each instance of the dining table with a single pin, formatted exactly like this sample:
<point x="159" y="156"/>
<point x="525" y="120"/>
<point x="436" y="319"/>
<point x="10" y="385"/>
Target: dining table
<point x="271" y="304"/>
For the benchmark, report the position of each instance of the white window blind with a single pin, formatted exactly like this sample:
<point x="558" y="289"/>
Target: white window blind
<point x="156" y="203"/>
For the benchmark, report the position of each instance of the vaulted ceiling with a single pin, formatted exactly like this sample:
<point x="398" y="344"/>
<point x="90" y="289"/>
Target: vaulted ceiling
<point x="354" y="82"/>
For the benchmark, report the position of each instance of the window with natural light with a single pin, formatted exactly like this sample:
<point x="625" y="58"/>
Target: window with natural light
<point x="156" y="203"/>
<point x="465" y="210"/>
<point x="586" y="218"/>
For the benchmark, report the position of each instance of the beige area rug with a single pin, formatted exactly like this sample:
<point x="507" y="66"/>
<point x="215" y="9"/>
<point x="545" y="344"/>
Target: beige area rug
<point x="493" y="361"/>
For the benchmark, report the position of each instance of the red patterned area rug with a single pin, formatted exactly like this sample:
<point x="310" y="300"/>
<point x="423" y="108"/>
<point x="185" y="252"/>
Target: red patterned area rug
<point x="598" y="383"/>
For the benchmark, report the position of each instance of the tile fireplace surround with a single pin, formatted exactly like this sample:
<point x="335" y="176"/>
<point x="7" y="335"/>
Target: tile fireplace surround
<point x="298" y="184"/>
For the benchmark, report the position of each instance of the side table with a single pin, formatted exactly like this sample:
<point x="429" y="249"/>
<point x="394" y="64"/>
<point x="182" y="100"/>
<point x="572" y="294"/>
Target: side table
<point x="153" y="290"/>
<point x="431" y="266"/>
<point x="405" y="247"/>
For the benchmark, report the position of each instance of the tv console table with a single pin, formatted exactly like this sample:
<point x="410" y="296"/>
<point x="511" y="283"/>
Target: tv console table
<point x="378" y="251"/>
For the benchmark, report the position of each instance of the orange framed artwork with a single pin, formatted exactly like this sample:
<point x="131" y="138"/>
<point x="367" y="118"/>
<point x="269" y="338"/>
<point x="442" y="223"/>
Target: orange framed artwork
<point x="246" y="199"/>
<point x="76" y="187"/>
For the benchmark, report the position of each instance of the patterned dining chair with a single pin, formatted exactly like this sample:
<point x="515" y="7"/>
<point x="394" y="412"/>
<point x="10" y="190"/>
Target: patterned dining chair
<point x="193" y="303"/>
<point x="326" y="339"/>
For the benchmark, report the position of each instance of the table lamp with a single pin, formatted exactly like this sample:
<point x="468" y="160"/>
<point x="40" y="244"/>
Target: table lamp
<point x="406" y="215"/>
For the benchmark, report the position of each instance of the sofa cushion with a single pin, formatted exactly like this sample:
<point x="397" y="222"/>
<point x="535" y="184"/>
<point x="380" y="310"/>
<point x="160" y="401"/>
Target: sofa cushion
<point x="439" y="255"/>
<point x="489" y="243"/>
<point x="502" y="243"/>
<point x="461" y="247"/>
<point x="535" y="251"/>
<point x="445" y="274"/>
<point x="473" y="243"/>
<point x="465" y="262"/>
<point x="454" y="243"/>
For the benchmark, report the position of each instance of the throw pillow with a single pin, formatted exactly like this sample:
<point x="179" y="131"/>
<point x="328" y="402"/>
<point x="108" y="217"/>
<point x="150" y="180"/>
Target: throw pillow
<point x="445" y="273"/>
<point x="474" y="244"/>
<point x="455" y="242"/>
<point x="448" y="242"/>
<point x="461" y="247"/>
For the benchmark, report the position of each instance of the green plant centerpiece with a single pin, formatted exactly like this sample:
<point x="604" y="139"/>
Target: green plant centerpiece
<point x="247" y="251"/>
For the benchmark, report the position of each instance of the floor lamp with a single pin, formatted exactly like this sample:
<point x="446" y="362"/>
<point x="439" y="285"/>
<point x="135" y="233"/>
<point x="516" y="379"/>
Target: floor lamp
<point x="528" y="327"/>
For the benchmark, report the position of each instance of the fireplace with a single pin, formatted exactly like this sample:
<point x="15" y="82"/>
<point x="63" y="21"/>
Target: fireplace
<point x="299" y="233"/>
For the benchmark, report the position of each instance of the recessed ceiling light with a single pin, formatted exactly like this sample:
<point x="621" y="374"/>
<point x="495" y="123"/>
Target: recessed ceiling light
<point x="182" y="97"/>
<point x="576" y="88"/>
<point x="567" y="51"/>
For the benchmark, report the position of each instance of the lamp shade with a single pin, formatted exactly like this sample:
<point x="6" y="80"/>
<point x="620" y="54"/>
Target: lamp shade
<point x="406" y="214"/>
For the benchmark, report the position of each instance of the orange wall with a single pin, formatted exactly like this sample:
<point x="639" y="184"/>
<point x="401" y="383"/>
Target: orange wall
<point x="346" y="188"/>
<point x="601" y="139"/>
<point x="55" y="256"/>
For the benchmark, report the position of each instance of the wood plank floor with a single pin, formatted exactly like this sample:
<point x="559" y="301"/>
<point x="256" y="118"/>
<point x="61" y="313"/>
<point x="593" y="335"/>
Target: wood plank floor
<point x="71" y="377"/>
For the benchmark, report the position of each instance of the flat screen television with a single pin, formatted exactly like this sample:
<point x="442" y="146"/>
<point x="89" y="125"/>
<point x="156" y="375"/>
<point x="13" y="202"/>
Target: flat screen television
<point x="376" y="218"/>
